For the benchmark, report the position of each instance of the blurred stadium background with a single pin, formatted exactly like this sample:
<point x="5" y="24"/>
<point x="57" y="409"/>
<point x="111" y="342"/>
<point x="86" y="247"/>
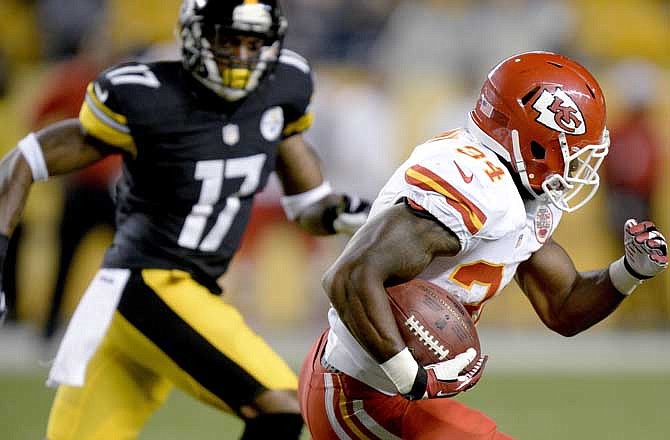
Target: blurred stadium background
<point x="389" y="74"/>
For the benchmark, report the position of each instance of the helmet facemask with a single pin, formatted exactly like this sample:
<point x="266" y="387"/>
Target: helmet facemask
<point x="232" y="58"/>
<point x="580" y="179"/>
<point x="568" y="191"/>
<point x="235" y="63"/>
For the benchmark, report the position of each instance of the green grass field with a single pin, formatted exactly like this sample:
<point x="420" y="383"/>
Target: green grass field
<point x="534" y="407"/>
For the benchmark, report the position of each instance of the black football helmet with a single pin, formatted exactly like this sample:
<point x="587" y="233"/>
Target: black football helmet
<point x="230" y="45"/>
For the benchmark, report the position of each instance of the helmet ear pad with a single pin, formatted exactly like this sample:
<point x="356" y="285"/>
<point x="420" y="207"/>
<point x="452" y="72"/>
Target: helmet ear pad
<point x="539" y="168"/>
<point x="542" y="158"/>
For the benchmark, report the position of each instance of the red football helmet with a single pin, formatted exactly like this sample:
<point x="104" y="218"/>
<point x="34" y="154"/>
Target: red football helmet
<point x="545" y="114"/>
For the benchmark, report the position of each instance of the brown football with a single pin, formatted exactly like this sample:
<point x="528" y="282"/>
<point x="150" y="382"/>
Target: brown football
<point x="435" y="326"/>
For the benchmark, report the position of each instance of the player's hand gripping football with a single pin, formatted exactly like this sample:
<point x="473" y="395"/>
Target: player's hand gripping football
<point x="353" y="216"/>
<point x="646" y="249"/>
<point x="448" y="378"/>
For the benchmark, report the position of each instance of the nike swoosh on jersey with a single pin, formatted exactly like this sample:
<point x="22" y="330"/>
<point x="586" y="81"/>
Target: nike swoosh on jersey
<point x="466" y="178"/>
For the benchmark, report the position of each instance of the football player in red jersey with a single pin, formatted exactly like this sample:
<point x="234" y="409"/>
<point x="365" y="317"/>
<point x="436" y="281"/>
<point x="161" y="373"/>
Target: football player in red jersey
<point x="469" y="211"/>
<point x="199" y="138"/>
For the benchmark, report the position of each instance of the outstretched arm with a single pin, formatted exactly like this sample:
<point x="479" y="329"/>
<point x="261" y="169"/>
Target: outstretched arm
<point x="57" y="149"/>
<point x="309" y="200"/>
<point x="569" y="301"/>
<point x="64" y="148"/>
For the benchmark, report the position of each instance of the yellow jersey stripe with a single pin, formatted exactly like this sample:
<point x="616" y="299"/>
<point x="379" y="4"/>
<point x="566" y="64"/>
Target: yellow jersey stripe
<point x="300" y="125"/>
<point x="92" y="95"/>
<point x="100" y="129"/>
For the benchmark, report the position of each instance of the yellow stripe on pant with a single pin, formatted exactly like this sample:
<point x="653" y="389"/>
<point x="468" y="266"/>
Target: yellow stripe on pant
<point x="168" y="331"/>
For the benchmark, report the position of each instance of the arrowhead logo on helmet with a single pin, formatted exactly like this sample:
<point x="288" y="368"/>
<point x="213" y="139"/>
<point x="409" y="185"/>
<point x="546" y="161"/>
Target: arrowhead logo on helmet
<point x="544" y="114"/>
<point x="559" y="112"/>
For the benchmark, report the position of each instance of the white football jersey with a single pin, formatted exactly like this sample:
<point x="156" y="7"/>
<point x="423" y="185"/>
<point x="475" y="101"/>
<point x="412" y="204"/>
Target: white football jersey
<point x="467" y="188"/>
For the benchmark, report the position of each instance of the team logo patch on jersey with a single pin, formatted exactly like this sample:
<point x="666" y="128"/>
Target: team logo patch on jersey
<point x="559" y="112"/>
<point x="231" y="134"/>
<point x="544" y="220"/>
<point x="272" y="123"/>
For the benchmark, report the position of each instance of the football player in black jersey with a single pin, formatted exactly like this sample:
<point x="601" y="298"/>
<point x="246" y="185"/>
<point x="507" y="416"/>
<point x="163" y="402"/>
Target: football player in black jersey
<point x="199" y="138"/>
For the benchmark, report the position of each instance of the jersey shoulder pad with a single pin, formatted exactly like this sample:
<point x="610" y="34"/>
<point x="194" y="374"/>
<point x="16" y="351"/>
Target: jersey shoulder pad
<point x="291" y="59"/>
<point x="293" y="76"/>
<point x="113" y="98"/>
<point x="465" y="186"/>
<point x="294" y="86"/>
<point x="122" y="85"/>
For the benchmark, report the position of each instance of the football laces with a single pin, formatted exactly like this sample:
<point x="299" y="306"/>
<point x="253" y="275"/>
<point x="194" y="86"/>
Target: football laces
<point x="426" y="338"/>
<point x="474" y="370"/>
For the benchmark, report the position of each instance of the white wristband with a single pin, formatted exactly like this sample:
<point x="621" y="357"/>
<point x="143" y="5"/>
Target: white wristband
<point x="401" y="369"/>
<point x="294" y="205"/>
<point x="32" y="153"/>
<point x="622" y="279"/>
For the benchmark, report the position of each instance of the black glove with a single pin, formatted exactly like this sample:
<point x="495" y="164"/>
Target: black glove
<point x="347" y="216"/>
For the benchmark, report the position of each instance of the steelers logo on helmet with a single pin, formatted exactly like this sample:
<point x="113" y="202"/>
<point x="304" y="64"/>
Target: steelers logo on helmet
<point x="230" y="46"/>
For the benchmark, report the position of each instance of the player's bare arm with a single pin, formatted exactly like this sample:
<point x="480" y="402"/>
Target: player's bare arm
<point x="298" y="166"/>
<point x="392" y="247"/>
<point x="569" y="301"/>
<point x="566" y="300"/>
<point x="64" y="148"/>
<point x="311" y="203"/>
<point x="56" y="149"/>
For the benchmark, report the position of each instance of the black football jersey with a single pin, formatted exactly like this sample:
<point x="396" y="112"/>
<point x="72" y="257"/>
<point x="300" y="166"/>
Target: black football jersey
<point x="194" y="160"/>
